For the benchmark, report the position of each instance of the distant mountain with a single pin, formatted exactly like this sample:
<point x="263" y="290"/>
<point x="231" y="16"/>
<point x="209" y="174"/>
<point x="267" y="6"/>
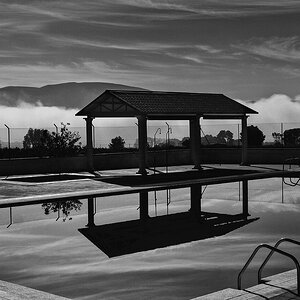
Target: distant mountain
<point x="69" y="94"/>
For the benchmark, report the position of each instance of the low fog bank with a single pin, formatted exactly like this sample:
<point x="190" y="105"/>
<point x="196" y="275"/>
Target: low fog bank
<point x="275" y="109"/>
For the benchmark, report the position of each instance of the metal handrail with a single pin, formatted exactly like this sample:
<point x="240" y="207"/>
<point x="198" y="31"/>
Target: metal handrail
<point x="275" y="250"/>
<point x="272" y="252"/>
<point x="290" y="161"/>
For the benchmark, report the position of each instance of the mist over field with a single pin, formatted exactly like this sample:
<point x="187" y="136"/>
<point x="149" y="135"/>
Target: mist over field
<point x="42" y="107"/>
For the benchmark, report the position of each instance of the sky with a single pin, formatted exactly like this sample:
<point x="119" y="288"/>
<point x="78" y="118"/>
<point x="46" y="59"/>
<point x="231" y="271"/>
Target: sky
<point x="246" y="50"/>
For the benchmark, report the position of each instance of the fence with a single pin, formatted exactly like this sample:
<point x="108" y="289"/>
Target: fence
<point x="11" y="137"/>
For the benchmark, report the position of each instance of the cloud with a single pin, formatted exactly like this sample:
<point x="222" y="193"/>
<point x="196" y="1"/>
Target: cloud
<point x="279" y="48"/>
<point x="276" y="109"/>
<point x="38" y="116"/>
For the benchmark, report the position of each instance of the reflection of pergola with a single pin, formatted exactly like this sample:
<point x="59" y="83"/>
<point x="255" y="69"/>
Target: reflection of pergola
<point x="152" y="105"/>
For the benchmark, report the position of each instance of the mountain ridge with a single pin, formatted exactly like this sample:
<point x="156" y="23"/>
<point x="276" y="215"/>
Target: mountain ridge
<point x="67" y="94"/>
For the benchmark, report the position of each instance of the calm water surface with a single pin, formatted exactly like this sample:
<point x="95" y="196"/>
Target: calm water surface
<point x="40" y="252"/>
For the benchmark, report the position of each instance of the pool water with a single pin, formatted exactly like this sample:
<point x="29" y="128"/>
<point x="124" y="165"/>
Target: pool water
<point x="40" y="252"/>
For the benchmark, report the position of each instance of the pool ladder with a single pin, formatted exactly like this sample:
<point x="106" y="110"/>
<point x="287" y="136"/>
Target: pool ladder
<point x="272" y="250"/>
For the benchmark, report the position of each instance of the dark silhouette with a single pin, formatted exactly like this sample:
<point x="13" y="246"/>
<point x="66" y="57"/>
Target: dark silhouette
<point x="117" y="144"/>
<point x="64" y="142"/>
<point x="255" y="136"/>
<point x="291" y="137"/>
<point x="37" y="139"/>
<point x="209" y="139"/>
<point x="186" y="142"/>
<point x="278" y="138"/>
<point x="41" y="142"/>
<point x="134" y="236"/>
<point x="225" y="137"/>
<point x="64" y="207"/>
<point x="133" y="180"/>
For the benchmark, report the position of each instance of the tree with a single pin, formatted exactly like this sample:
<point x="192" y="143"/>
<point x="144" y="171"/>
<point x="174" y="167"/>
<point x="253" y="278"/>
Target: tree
<point x="65" y="207"/>
<point x="117" y="144"/>
<point x="37" y="139"/>
<point x="186" y="142"/>
<point x="278" y="138"/>
<point x="64" y="142"/>
<point x="208" y="139"/>
<point x="225" y="137"/>
<point x="255" y="136"/>
<point x="291" y="137"/>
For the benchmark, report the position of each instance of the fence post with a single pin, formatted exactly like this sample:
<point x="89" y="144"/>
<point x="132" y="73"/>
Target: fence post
<point x="281" y="134"/>
<point x="8" y="140"/>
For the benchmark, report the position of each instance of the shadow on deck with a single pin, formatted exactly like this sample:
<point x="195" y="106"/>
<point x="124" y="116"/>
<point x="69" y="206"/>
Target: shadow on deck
<point x="135" y="236"/>
<point x="136" y="180"/>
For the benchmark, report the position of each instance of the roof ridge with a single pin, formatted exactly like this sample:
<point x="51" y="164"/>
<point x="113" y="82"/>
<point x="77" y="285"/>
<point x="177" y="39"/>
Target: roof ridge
<point x="162" y="92"/>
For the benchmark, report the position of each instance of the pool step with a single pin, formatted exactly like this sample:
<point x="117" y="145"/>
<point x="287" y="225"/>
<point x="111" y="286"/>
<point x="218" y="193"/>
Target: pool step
<point x="280" y="286"/>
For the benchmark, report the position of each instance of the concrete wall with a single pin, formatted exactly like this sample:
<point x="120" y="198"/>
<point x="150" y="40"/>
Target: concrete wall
<point x="255" y="155"/>
<point x="130" y="160"/>
<point x="105" y="161"/>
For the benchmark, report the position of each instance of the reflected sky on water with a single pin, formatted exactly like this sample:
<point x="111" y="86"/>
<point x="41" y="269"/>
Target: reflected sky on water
<point x="50" y="255"/>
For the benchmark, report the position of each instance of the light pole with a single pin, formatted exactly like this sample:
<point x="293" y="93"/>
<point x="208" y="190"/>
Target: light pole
<point x="167" y="144"/>
<point x="8" y="135"/>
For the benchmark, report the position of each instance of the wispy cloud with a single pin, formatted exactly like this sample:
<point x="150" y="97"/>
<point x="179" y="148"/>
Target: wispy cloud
<point x="208" y="48"/>
<point x="148" y="43"/>
<point x="120" y="44"/>
<point x="279" y="48"/>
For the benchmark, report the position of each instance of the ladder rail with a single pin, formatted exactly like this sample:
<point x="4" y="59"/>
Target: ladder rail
<point x="292" y="257"/>
<point x="279" y="242"/>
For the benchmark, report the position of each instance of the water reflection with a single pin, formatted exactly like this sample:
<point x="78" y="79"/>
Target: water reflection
<point x="63" y="208"/>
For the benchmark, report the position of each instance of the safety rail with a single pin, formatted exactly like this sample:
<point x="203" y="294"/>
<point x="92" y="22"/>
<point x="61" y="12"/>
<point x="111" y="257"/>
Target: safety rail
<point x="274" y="250"/>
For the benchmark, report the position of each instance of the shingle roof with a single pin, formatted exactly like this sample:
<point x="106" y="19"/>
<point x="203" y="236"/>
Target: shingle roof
<point x="172" y="103"/>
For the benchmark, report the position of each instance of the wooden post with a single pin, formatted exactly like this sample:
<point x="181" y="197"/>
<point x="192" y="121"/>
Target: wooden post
<point x="196" y="196"/>
<point x="142" y="136"/>
<point x="195" y="139"/>
<point x="144" y="209"/>
<point x="89" y="144"/>
<point x="244" y="142"/>
<point x="91" y="222"/>
<point x="245" y="198"/>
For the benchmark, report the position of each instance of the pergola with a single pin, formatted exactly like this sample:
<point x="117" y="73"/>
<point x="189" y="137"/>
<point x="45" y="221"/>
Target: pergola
<point x="157" y="105"/>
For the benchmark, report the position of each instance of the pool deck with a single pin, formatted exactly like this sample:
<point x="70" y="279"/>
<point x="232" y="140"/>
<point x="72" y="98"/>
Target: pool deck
<point x="280" y="286"/>
<point x="119" y="182"/>
<point x="11" y="291"/>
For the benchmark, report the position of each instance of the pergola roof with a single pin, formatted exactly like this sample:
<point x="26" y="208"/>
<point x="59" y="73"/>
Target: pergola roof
<point x="155" y="105"/>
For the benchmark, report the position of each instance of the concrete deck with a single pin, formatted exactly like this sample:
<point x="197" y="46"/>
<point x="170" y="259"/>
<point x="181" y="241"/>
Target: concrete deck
<point x="281" y="286"/>
<point x="11" y="291"/>
<point x="111" y="183"/>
